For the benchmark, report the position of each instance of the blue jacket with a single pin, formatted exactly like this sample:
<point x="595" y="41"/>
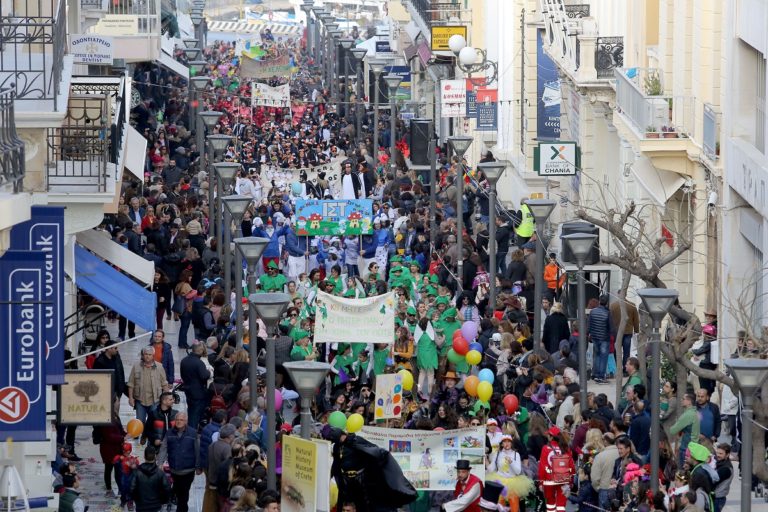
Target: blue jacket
<point x="383" y="237"/>
<point x="599" y="326"/>
<point x="167" y="362"/>
<point x="206" y="439"/>
<point x="369" y="246"/>
<point x="273" y="249"/>
<point x="294" y="244"/>
<point x="183" y="449"/>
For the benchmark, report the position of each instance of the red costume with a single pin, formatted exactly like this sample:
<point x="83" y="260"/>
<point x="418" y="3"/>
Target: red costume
<point x="553" y="491"/>
<point x="463" y="488"/>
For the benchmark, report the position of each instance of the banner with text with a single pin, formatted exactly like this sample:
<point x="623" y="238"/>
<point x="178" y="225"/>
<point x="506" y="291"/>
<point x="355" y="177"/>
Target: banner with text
<point x="428" y="458"/>
<point x="547" y="94"/>
<point x="264" y="69"/>
<point x="368" y="320"/>
<point x="331" y="217"/>
<point x="389" y="396"/>
<point x="22" y="345"/>
<point x="262" y="95"/>
<point x="472" y="85"/>
<point x="487" y="109"/>
<point x="306" y="479"/>
<point x="453" y="98"/>
<point x="282" y="178"/>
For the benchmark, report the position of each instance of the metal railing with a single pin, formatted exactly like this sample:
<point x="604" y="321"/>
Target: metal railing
<point x="32" y="48"/>
<point x="561" y="30"/>
<point x="710" y="133"/>
<point x="436" y="12"/>
<point x="147" y="12"/>
<point x="93" y="4"/>
<point x="115" y="88"/>
<point x="609" y="55"/>
<point x="11" y="146"/>
<point x="575" y="11"/>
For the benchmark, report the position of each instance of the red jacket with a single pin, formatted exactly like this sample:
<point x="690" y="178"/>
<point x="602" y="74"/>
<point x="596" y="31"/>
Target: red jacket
<point x="545" y="465"/>
<point x="460" y="488"/>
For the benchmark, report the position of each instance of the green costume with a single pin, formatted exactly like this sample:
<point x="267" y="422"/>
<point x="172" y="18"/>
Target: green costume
<point x="299" y="353"/>
<point x="426" y="355"/>
<point x="380" y="357"/>
<point x="342" y="362"/>
<point x="274" y="283"/>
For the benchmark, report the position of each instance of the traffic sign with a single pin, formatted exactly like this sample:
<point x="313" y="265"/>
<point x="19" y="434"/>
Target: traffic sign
<point x="556" y="158"/>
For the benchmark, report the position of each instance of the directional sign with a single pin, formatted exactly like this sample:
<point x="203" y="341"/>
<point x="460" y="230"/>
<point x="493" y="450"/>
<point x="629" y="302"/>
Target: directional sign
<point x="556" y="158"/>
<point x="22" y="346"/>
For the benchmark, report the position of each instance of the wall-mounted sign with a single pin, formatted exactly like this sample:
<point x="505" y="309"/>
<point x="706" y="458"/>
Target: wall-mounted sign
<point x="86" y="398"/>
<point x="440" y="34"/>
<point x="117" y="25"/>
<point x="556" y="158"/>
<point x="453" y="98"/>
<point x="92" y="49"/>
<point x="487" y="109"/>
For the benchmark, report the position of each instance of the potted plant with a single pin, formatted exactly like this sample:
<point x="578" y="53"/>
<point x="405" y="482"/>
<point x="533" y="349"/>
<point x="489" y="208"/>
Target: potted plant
<point x="651" y="133"/>
<point x="652" y="84"/>
<point x="669" y="132"/>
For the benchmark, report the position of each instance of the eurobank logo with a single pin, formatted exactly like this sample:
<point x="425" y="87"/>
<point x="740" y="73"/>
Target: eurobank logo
<point x="14" y="405"/>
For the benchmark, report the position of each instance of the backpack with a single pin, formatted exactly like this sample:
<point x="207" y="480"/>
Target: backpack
<point x="561" y="468"/>
<point x="217" y="402"/>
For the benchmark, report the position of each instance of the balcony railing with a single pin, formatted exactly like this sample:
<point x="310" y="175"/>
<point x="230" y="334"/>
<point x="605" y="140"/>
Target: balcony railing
<point x="146" y="12"/>
<point x="115" y="89"/>
<point x="11" y="147"/>
<point x="710" y="137"/>
<point x="435" y="12"/>
<point x="33" y="40"/>
<point x="609" y="55"/>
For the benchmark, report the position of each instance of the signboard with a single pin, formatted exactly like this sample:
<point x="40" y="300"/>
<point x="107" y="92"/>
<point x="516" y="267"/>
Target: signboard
<point x="440" y="34"/>
<point x="117" y="25"/>
<point x="22" y="345"/>
<point x="306" y="477"/>
<point x="547" y="94"/>
<point x="556" y="158"/>
<point x="44" y="233"/>
<point x="383" y="47"/>
<point x="331" y="217"/>
<point x="453" y="98"/>
<point x="367" y="320"/>
<point x="263" y="69"/>
<point x="284" y="177"/>
<point x="487" y="109"/>
<point x="389" y="396"/>
<point x="428" y="458"/>
<point x="86" y="398"/>
<point x="473" y="84"/>
<point x="262" y="95"/>
<point x="92" y="49"/>
<point x="403" y="91"/>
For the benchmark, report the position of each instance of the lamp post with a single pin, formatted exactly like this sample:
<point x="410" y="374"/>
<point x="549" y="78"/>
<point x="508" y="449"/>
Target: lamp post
<point x="307" y="377"/>
<point x="541" y="209"/>
<point x="190" y="43"/>
<point x="460" y="144"/>
<point x="199" y="83"/>
<point x="657" y="302"/>
<point x="492" y="172"/>
<point x="250" y="249"/>
<point x="225" y="177"/>
<point x="234" y="209"/>
<point x="346" y="44"/>
<point x="581" y="245"/>
<point x="377" y="67"/>
<point x="209" y="119"/>
<point x="306" y="6"/>
<point x="217" y="144"/>
<point x="472" y="60"/>
<point x="333" y="76"/>
<point x="749" y="374"/>
<point x="269" y="307"/>
<point x="393" y="82"/>
<point x="359" y="55"/>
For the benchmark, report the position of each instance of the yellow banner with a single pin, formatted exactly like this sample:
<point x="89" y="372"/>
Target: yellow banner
<point x="306" y="475"/>
<point x="441" y="34"/>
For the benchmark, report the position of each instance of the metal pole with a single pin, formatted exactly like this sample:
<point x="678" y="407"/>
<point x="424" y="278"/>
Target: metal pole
<point x="306" y="417"/>
<point x="253" y="352"/>
<point x="745" y="459"/>
<point x="359" y="102"/>
<point x="392" y="129"/>
<point x="239" y="298"/>
<point x="335" y="82"/>
<point x="219" y="219"/>
<point x="460" y="223"/>
<point x="191" y="111"/>
<point x="227" y="256"/>
<point x="376" y="117"/>
<point x="492" y="246"/>
<point x="654" y="393"/>
<point x="581" y="299"/>
<point x="213" y="229"/>
<point x="252" y="321"/>
<point x="432" y="187"/>
<point x="539" y="286"/>
<point x="346" y="84"/>
<point x="271" y="413"/>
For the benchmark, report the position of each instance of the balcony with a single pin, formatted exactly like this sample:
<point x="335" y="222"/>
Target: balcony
<point x="710" y="137"/>
<point x="11" y="147"/>
<point x="33" y="42"/>
<point x="135" y="25"/>
<point x="436" y="12"/>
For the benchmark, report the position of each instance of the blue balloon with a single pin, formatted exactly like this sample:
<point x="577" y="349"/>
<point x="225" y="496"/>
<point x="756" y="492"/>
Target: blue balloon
<point x="486" y="375"/>
<point x="476" y="346"/>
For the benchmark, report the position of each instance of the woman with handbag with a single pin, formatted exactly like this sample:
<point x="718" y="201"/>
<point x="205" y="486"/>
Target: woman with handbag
<point x="184" y="295"/>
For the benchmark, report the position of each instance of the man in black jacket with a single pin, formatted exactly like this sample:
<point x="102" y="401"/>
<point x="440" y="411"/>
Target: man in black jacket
<point x="195" y="376"/>
<point x="503" y="233"/>
<point x="150" y="488"/>
<point x="110" y="359"/>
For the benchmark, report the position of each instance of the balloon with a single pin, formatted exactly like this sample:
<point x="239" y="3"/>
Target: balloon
<point x="455" y="357"/>
<point x="135" y="428"/>
<point x="470" y="385"/>
<point x="407" y="379"/>
<point x="484" y="391"/>
<point x="469" y="330"/>
<point x="334" y="494"/>
<point x="354" y="423"/>
<point x="476" y="346"/>
<point x="460" y="345"/>
<point x="296" y="188"/>
<point x="337" y="419"/>
<point x="510" y="403"/>
<point x="486" y="375"/>
<point x="278" y="400"/>
<point x="474" y="357"/>
<point x="456" y="334"/>
<point x="438" y="429"/>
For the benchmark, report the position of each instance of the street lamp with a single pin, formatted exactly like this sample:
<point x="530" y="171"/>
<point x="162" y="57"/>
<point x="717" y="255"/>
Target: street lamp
<point x="269" y="307"/>
<point x="377" y="67"/>
<point x="359" y="55"/>
<point x="306" y="6"/>
<point x="190" y="43"/>
<point x="472" y="60"/>
<point x="196" y="66"/>
<point x="492" y="172"/>
<point x="460" y="144"/>
<point x="191" y="53"/>
<point x="307" y="377"/>
<point x="749" y="374"/>
<point x="541" y="209"/>
<point x="657" y="302"/>
<point x="346" y="44"/>
<point x="225" y="173"/>
<point x="234" y="209"/>
<point x="580" y="244"/>
<point x="247" y="248"/>
<point x="393" y="82"/>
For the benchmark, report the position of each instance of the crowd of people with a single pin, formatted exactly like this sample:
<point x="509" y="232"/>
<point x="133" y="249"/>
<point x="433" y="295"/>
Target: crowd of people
<point x="539" y="454"/>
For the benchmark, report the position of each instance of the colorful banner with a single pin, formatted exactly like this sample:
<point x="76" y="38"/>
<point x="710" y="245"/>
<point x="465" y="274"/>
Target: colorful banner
<point x="250" y="47"/>
<point x="306" y="478"/>
<point x="389" y="396"/>
<point x="265" y="69"/>
<point x="368" y="320"/>
<point x="487" y="109"/>
<point x="22" y="346"/>
<point x="331" y="217"/>
<point x="473" y="84"/>
<point x="283" y="178"/>
<point x="45" y="233"/>
<point x="263" y="95"/>
<point x="547" y="94"/>
<point x="298" y="112"/>
<point x="428" y="458"/>
<point x="453" y="98"/>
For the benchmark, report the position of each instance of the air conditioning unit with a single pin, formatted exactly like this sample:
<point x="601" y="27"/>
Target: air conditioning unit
<point x="659" y="113"/>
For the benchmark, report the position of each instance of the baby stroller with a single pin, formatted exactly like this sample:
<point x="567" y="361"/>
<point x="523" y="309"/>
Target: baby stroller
<point x="93" y="321"/>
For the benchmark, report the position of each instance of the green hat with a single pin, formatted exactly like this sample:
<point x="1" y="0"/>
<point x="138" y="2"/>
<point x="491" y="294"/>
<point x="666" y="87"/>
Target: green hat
<point x="450" y="312"/>
<point x="342" y="347"/>
<point x="411" y="310"/>
<point x="350" y="292"/>
<point x="298" y="334"/>
<point x="522" y="416"/>
<point x="442" y="300"/>
<point x="434" y="279"/>
<point x="395" y="259"/>
<point x="272" y="264"/>
<point x="698" y="452"/>
<point x="431" y="291"/>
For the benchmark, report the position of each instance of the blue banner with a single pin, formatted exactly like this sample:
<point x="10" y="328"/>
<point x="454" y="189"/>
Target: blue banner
<point x="547" y="94"/>
<point x="45" y="233"/>
<point x="487" y="110"/>
<point x="330" y="217"/>
<point x="22" y="346"/>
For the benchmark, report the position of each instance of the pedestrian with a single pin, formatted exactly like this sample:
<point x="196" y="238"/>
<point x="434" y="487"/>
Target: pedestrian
<point x="556" y="468"/>
<point x="146" y="383"/>
<point x="110" y="439"/>
<point x="218" y="453"/>
<point x="70" y="500"/>
<point x="125" y="465"/>
<point x="724" y="468"/>
<point x="599" y="331"/>
<point x="686" y="426"/>
<point x="468" y="490"/>
<point x="109" y="359"/>
<point x="150" y="487"/>
<point x="182" y="449"/>
<point x="163" y="354"/>
<point x="195" y="375"/>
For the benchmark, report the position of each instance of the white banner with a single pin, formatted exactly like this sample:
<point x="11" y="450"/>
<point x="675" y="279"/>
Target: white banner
<point x="453" y="98"/>
<point x="368" y="320"/>
<point x="262" y="95"/>
<point x="284" y="177"/>
<point x="389" y="396"/>
<point x="428" y="458"/>
<point x="92" y="49"/>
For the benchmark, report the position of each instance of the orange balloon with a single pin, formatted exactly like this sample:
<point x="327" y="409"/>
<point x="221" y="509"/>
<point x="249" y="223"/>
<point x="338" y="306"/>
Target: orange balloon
<point x="470" y="385"/>
<point x="396" y="399"/>
<point x="135" y="428"/>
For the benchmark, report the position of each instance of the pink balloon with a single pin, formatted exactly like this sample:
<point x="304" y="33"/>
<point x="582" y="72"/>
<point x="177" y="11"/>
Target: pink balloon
<point x="278" y="400"/>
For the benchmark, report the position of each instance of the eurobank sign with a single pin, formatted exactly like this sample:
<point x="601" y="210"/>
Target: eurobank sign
<point x="22" y="345"/>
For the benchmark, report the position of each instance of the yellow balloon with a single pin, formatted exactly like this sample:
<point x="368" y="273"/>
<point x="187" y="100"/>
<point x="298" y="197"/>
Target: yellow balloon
<point x="334" y="493"/>
<point x="407" y="379"/>
<point x="484" y="391"/>
<point x="354" y="423"/>
<point x="474" y="357"/>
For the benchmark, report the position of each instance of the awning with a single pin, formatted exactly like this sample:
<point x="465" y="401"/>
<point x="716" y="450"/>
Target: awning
<point x="410" y="52"/>
<point x="103" y="246"/>
<point x="135" y="153"/>
<point x="174" y="65"/>
<point x="117" y="291"/>
<point x="660" y="185"/>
